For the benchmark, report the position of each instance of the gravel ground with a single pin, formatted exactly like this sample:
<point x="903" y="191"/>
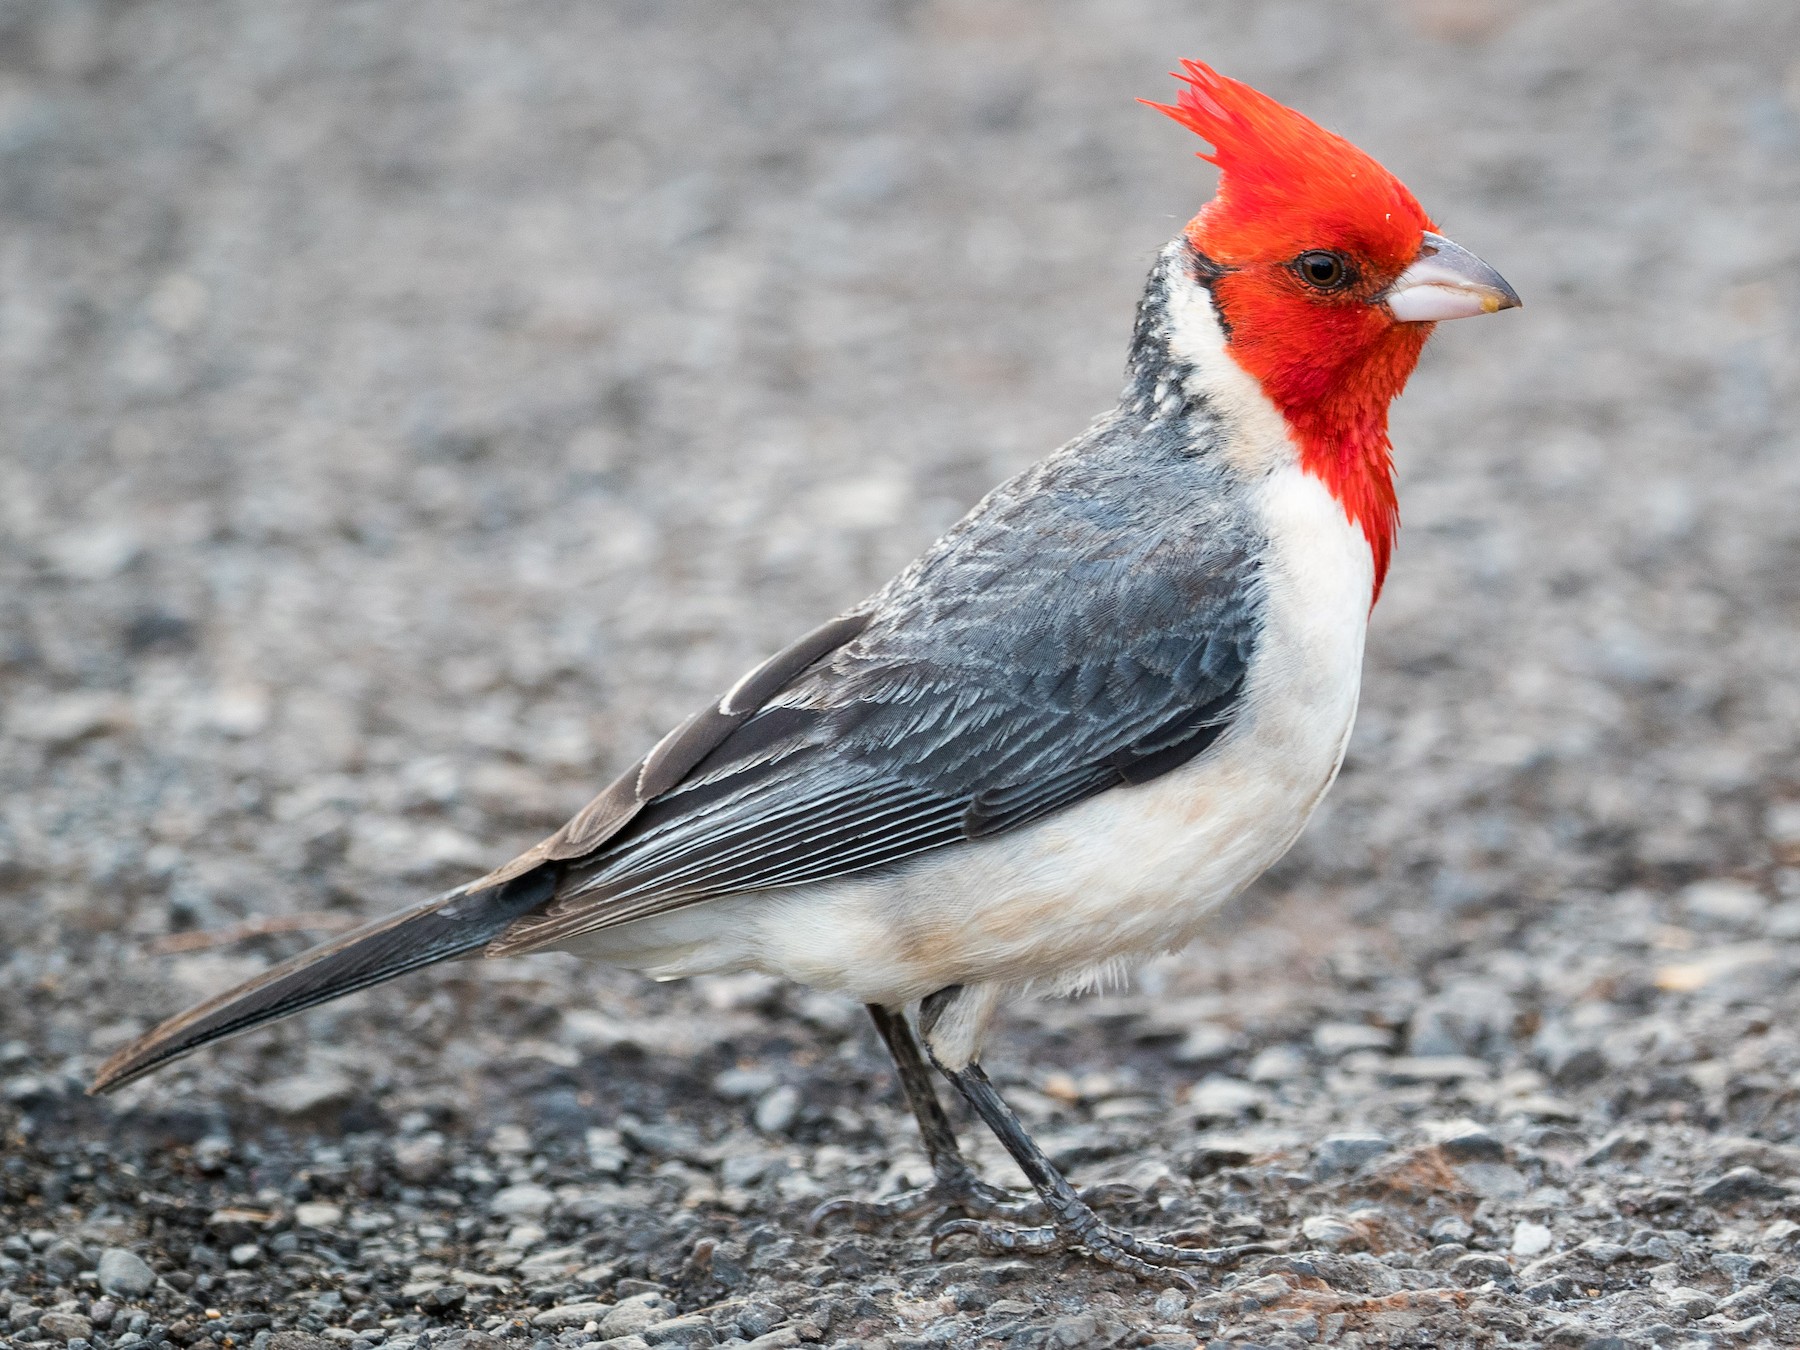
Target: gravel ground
<point x="410" y="409"/>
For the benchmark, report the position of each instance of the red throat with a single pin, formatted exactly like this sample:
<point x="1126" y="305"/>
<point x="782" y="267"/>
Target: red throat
<point x="1337" y="410"/>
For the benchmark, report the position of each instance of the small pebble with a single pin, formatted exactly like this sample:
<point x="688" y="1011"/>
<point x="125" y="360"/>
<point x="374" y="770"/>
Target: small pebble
<point x="1530" y="1239"/>
<point x="124" y="1273"/>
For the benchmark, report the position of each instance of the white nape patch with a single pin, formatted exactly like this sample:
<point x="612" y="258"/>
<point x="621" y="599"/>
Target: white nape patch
<point x="1260" y="439"/>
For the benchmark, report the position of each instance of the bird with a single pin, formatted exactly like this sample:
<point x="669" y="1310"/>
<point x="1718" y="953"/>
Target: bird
<point x="1099" y="706"/>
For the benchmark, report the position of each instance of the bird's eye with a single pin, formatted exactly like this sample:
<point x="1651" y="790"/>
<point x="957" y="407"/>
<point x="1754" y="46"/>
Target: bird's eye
<point x="1325" y="271"/>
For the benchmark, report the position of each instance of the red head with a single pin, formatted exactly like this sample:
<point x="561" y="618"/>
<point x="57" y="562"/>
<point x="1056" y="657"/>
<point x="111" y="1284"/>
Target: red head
<point x="1313" y="239"/>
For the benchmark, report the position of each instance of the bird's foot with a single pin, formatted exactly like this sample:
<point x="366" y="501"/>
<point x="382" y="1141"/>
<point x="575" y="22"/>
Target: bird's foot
<point x="963" y="1192"/>
<point x="1116" y="1247"/>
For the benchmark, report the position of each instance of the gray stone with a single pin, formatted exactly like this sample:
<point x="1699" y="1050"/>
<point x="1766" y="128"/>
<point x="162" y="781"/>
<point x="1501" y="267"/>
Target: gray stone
<point x="1746" y="1302"/>
<point x="1477" y="1267"/>
<point x="1747" y="1329"/>
<point x="1464" y="1141"/>
<point x="1530" y="1239"/>
<point x="1620" y="1146"/>
<point x="1740" y="1184"/>
<point x="1434" y="1068"/>
<point x="1777" y="1159"/>
<point x="1471" y="1017"/>
<point x="65" y="719"/>
<point x="1451" y="1228"/>
<point x="1691" y="1304"/>
<point x="1346" y="1152"/>
<point x="694" y="1329"/>
<point x="1493" y="1181"/>
<point x="1556" y="1289"/>
<point x="1443" y="1256"/>
<point x="1262" y="1291"/>
<point x="1219" y="1098"/>
<point x="666" y="1139"/>
<point x="758" y="1318"/>
<point x="1277" y="1064"/>
<point x="1207" y="1043"/>
<point x="66" y="1258"/>
<point x="606" y="1151"/>
<point x="572" y="1315"/>
<point x="212" y="1154"/>
<point x="307" y="1094"/>
<point x="1724" y="903"/>
<point x="445" y="1298"/>
<point x="421" y="1158"/>
<point x="1570" y="1055"/>
<point x="1340" y="1038"/>
<point x="65" y="1326"/>
<point x="1333" y="1234"/>
<point x="527" y="1200"/>
<point x="778" y="1110"/>
<point x="1086" y="1331"/>
<point x="1740" y="1267"/>
<point x="1602" y="1253"/>
<point x="741" y="1084"/>
<point x="1649" y="1245"/>
<point x="1232" y="1149"/>
<point x="632" y="1316"/>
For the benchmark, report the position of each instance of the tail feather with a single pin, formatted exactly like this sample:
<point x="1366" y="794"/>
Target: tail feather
<point x="446" y="926"/>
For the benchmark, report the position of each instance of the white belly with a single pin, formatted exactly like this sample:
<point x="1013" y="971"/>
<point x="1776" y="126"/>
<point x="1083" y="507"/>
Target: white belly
<point x="1115" y="879"/>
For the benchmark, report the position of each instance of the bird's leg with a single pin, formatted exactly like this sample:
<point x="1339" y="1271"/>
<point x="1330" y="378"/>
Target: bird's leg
<point x="1072" y="1221"/>
<point x="954" y="1184"/>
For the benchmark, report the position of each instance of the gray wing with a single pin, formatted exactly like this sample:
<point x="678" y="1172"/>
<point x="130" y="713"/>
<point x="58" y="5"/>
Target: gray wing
<point x="1038" y="657"/>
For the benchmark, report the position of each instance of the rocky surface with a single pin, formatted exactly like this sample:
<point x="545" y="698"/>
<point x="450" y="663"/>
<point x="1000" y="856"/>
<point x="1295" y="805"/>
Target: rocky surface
<point x="411" y="409"/>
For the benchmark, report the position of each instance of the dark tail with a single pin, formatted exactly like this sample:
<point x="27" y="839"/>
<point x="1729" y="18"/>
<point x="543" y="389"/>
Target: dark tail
<point x="449" y="925"/>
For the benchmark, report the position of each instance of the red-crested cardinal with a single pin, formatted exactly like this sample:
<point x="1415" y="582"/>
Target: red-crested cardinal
<point x="1103" y="703"/>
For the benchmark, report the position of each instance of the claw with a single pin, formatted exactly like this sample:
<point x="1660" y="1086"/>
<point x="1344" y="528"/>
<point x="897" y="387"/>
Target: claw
<point x="867" y="1215"/>
<point x="836" y="1208"/>
<point x="1212" y="1256"/>
<point x="992" y="1239"/>
<point x="968" y="1194"/>
<point x="1114" y="1247"/>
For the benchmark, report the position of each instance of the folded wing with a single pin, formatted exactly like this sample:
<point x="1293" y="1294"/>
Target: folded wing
<point x="965" y="708"/>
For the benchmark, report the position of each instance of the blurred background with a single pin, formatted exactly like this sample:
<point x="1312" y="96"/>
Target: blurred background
<point x="409" y="410"/>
